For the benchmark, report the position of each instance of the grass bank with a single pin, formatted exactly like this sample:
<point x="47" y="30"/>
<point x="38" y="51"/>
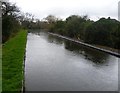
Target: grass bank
<point x="0" y="68"/>
<point x="12" y="62"/>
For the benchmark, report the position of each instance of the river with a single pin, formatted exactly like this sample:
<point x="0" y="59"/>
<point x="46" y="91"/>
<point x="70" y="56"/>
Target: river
<point x="55" y="64"/>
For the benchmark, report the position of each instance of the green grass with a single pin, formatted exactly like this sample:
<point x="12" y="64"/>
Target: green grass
<point x="0" y="68"/>
<point x="12" y="62"/>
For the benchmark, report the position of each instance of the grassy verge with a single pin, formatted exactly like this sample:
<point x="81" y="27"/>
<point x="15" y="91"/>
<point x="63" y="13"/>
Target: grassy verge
<point x="0" y="68"/>
<point x="12" y="62"/>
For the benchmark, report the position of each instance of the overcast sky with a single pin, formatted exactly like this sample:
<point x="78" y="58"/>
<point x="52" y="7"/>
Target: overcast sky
<point x="95" y="9"/>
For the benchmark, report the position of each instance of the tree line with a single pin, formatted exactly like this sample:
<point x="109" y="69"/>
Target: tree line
<point x="105" y="31"/>
<point x="10" y="23"/>
<point x="13" y="20"/>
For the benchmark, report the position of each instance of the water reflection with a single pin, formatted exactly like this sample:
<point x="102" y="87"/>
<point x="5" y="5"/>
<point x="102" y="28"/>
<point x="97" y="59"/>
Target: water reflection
<point x="52" y="39"/>
<point x="34" y="31"/>
<point x="97" y="57"/>
<point x="55" y="64"/>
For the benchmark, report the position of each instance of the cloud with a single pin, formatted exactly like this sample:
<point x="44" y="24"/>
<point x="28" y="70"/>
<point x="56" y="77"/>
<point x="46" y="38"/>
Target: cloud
<point x="64" y="8"/>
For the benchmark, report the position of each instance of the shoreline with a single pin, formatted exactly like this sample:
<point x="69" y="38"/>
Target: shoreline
<point x="13" y="62"/>
<point x="88" y="45"/>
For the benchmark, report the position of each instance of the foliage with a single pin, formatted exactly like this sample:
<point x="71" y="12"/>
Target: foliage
<point x="104" y="32"/>
<point x="51" y="19"/>
<point x="12" y="62"/>
<point x="58" y="27"/>
<point x="75" y="26"/>
<point x="10" y="26"/>
<point x="10" y="23"/>
<point x="13" y="20"/>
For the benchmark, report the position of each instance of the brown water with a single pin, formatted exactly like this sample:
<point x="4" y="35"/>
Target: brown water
<point x="54" y="64"/>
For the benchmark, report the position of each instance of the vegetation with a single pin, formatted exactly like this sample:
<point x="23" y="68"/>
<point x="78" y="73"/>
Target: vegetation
<point x="0" y="68"/>
<point x="14" y="42"/>
<point x="10" y="23"/>
<point x="13" y="20"/>
<point x="12" y="62"/>
<point x="105" y="32"/>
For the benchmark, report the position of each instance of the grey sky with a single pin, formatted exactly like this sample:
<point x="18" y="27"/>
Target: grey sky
<point x="95" y="9"/>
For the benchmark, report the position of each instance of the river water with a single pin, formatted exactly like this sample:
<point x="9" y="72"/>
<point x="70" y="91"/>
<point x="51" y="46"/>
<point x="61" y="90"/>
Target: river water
<point x="55" y="64"/>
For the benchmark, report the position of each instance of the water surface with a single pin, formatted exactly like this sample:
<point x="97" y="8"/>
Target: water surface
<point x="55" y="64"/>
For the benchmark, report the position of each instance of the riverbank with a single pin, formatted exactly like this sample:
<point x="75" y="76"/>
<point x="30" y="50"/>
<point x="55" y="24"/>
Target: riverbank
<point x="12" y="62"/>
<point x="88" y="45"/>
<point x="0" y="68"/>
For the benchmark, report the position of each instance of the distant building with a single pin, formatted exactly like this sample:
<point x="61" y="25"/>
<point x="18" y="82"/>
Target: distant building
<point x="119" y="10"/>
